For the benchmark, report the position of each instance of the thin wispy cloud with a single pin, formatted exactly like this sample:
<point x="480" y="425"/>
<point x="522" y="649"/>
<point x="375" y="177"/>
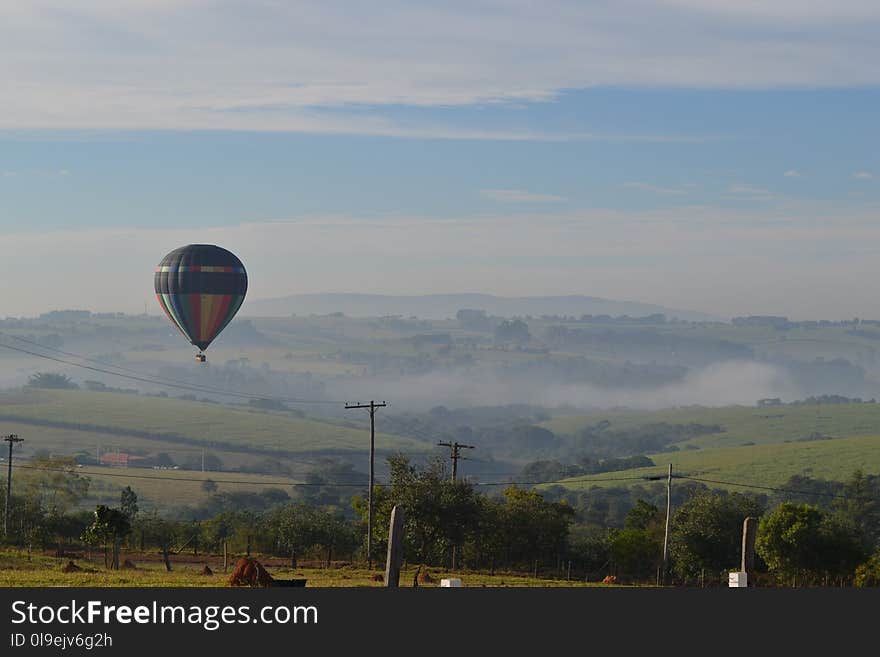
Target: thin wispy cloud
<point x="237" y="65"/>
<point x="863" y="175"/>
<point x="520" y="196"/>
<point x="792" y="173"/>
<point x="743" y="192"/>
<point x="654" y="189"/>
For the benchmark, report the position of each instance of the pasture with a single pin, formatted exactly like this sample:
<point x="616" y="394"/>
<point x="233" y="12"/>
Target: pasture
<point x="758" y="465"/>
<point x="17" y="569"/>
<point x="741" y="424"/>
<point x="197" y="423"/>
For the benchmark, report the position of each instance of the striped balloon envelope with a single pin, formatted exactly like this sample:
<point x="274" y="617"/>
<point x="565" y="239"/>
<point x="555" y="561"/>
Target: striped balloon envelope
<point x="200" y="287"/>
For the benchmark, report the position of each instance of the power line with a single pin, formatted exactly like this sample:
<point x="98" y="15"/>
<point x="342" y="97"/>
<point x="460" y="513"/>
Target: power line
<point x="282" y="483"/>
<point x="559" y="481"/>
<point x="758" y="487"/>
<point x="472" y="483"/>
<point x="169" y="384"/>
<point x="455" y="454"/>
<point x="192" y="479"/>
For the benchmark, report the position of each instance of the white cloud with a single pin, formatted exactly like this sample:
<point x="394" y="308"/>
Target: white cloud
<point x="520" y="196"/>
<point x="654" y="189"/>
<point x="863" y="175"/>
<point x="792" y="173"/>
<point x="742" y="192"/>
<point x="194" y="64"/>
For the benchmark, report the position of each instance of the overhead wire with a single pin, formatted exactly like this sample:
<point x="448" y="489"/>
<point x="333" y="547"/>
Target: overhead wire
<point x="191" y="479"/>
<point x="760" y="487"/>
<point x="158" y="381"/>
<point x="365" y="484"/>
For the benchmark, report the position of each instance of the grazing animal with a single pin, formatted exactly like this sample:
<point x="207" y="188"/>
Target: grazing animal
<point x="250" y="572"/>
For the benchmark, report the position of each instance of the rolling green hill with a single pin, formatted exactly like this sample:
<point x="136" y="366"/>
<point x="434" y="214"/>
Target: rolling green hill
<point x="758" y="465"/>
<point x="186" y="422"/>
<point x="742" y="424"/>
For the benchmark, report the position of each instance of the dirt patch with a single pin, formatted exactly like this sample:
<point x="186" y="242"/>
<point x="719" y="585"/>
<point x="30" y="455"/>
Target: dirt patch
<point x="250" y="572"/>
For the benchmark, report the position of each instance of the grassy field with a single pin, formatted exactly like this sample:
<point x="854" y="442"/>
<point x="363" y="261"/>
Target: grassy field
<point x="53" y="441"/>
<point x="16" y="569"/>
<point x="209" y="424"/>
<point x="742" y="424"/>
<point x="758" y="465"/>
<point x="163" y="489"/>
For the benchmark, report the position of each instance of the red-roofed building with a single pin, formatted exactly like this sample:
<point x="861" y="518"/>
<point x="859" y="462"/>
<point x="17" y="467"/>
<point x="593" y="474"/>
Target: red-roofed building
<point x="118" y="459"/>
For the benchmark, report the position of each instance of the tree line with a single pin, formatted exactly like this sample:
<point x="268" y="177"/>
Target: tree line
<point x="451" y="524"/>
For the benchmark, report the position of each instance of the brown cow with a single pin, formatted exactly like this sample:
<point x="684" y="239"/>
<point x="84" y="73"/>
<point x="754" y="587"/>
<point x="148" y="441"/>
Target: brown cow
<point x="250" y="572"/>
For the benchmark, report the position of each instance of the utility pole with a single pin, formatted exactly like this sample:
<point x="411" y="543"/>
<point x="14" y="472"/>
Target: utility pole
<point x="455" y="454"/>
<point x="372" y="406"/>
<point x="666" y="533"/>
<point x="11" y="439"/>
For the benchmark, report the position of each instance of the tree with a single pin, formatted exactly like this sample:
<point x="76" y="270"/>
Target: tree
<point x="108" y="525"/>
<point x="295" y="529"/>
<point x="637" y="550"/>
<point x="439" y="512"/>
<point x="28" y="521"/>
<point x="160" y="532"/>
<point x="52" y="380"/>
<point x="512" y="330"/>
<point x="636" y="553"/>
<point x="54" y="484"/>
<point x="800" y="542"/>
<point x="128" y="503"/>
<point x="868" y="573"/>
<point x="860" y="505"/>
<point x="535" y="529"/>
<point x="788" y="540"/>
<point x="707" y="533"/>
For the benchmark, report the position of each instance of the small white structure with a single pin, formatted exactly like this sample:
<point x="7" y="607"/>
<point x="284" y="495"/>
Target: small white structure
<point x="450" y="583"/>
<point x="737" y="580"/>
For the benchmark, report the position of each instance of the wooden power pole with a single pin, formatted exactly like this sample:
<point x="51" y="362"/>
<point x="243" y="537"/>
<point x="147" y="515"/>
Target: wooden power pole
<point x="372" y="406"/>
<point x="11" y="439"/>
<point x="455" y="454"/>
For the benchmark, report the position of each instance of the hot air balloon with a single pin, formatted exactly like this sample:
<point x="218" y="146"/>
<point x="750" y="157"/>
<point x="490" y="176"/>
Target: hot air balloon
<point x="200" y="287"/>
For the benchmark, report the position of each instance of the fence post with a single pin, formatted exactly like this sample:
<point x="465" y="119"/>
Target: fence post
<point x="750" y="530"/>
<point x="395" y="548"/>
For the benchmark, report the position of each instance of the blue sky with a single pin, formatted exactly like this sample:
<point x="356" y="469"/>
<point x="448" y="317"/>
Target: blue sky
<point x="722" y="156"/>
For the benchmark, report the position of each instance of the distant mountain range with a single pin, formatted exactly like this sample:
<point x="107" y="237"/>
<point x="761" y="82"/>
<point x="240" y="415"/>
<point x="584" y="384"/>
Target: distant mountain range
<point x="442" y="306"/>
